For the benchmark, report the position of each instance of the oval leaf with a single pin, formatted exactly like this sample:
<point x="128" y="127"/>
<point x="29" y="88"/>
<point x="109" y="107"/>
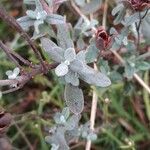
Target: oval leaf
<point x="74" y="98"/>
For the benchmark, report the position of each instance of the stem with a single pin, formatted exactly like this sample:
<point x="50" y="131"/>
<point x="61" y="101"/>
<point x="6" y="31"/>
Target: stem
<point x="146" y="96"/>
<point x="8" y="53"/>
<point x="93" y="113"/>
<point x="13" y="23"/>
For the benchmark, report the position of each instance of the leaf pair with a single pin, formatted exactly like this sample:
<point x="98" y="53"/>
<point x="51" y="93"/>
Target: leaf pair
<point x="38" y="17"/>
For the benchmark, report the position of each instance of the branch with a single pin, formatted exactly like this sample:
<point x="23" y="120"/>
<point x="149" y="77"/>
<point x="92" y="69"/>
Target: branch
<point x="24" y="78"/>
<point x="7" y="51"/>
<point x="13" y="23"/>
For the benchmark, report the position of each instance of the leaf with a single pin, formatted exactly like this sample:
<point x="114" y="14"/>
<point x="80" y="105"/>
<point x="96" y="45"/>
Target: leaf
<point x="120" y="10"/>
<point x="61" y="69"/>
<point x="25" y="22"/>
<point x="72" y="122"/>
<point x="55" y="52"/>
<point x="55" y="19"/>
<point x="66" y="112"/>
<point x="117" y="9"/>
<point x="145" y="26"/>
<point x="129" y="70"/>
<point x="58" y="138"/>
<point x="32" y="14"/>
<point x="36" y="25"/>
<point x="91" y="7"/>
<point x="70" y="54"/>
<point x="143" y="65"/>
<point x="131" y="19"/>
<point x="92" y="53"/>
<point x="74" y="98"/>
<point x="72" y="77"/>
<point x="44" y="30"/>
<point x="63" y="37"/>
<point x="16" y="71"/>
<point x="93" y="77"/>
<point x="80" y="43"/>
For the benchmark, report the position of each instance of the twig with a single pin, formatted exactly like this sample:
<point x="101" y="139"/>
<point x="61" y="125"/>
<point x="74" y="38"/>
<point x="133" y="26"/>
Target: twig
<point x="13" y="23"/>
<point x="24" y="78"/>
<point x="7" y="51"/>
<point x="94" y="105"/>
<point x="26" y="62"/>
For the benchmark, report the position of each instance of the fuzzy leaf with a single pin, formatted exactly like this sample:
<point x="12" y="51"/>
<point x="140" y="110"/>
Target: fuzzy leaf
<point x="72" y="122"/>
<point x="25" y="22"/>
<point x="120" y="10"/>
<point x="70" y="54"/>
<point x="92" y="53"/>
<point x="55" y="52"/>
<point x="72" y="78"/>
<point x="55" y="19"/>
<point x="63" y="37"/>
<point x="131" y="19"/>
<point x="93" y="77"/>
<point x="91" y="7"/>
<point x="74" y="98"/>
<point x="61" y="69"/>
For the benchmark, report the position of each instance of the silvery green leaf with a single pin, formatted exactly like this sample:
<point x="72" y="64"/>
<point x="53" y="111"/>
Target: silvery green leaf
<point x="58" y="138"/>
<point x="120" y="10"/>
<point x="25" y="22"/>
<point x="38" y="6"/>
<point x="93" y="77"/>
<point x="91" y="7"/>
<point x="80" y="43"/>
<point x="16" y="71"/>
<point x="44" y="30"/>
<point x="72" y="77"/>
<point x="55" y="19"/>
<point x="72" y="122"/>
<point x="145" y="26"/>
<point x="41" y="15"/>
<point x="142" y="65"/>
<point x="92" y="136"/>
<point x="63" y="36"/>
<point x="117" y="9"/>
<point x="129" y="70"/>
<point x="113" y="31"/>
<point x="66" y="112"/>
<point x="32" y="14"/>
<point x="92" y="53"/>
<point x="54" y="147"/>
<point x="77" y="66"/>
<point x="70" y="54"/>
<point x="87" y="26"/>
<point x="72" y="135"/>
<point x="131" y="19"/>
<point x="36" y="25"/>
<point x="55" y="52"/>
<point x="80" y="3"/>
<point x="9" y="72"/>
<point x="74" y="98"/>
<point x="61" y="69"/>
<point x="81" y="56"/>
<point x="59" y="118"/>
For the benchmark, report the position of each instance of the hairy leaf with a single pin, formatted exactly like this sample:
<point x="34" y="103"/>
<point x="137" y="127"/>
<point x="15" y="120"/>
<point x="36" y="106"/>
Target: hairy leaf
<point x="74" y="98"/>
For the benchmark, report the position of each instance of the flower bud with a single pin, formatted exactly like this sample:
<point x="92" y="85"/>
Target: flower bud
<point x="103" y="40"/>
